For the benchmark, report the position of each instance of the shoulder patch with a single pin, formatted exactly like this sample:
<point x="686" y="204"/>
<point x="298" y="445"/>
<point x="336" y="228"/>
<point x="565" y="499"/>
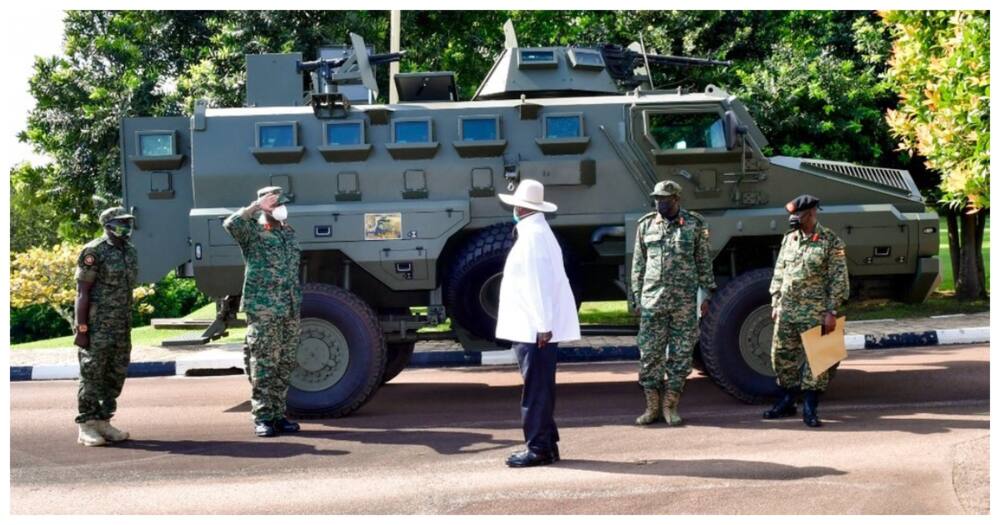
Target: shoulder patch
<point x="89" y="259"/>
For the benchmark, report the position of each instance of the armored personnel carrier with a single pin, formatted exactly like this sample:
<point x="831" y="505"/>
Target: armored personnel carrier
<point x="395" y="204"/>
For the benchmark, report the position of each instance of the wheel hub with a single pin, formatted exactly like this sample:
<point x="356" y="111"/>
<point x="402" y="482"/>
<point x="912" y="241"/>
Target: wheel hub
<point x="322" y="356"/>
<point x="755" y="340"/>
<point x="489" y="295"/>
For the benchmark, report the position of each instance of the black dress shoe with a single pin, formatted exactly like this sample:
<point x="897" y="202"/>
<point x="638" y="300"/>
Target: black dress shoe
<point x="529" y="458"/>
<point x="555" y="453"/>
<point x="264" y="429"/>
<point x="285" y="426"/>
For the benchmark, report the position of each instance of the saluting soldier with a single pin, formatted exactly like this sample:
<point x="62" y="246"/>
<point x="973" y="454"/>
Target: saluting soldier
<point x="271" y="299"/>
<point x="810" y="282"/>
<point x="106" y="273"/>
<point x="671" y="261"/>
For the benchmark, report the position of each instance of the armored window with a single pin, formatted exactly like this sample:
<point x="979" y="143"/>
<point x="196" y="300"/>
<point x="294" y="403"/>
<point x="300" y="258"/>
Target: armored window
<point x="281" y="135"/>
<point x="585" y="59"/>
<point x="277" y="143"/>
<point x="156" y="144"/>
<point x="537" y="58"/>
<point x="412" y="138"/>
<point x="563" y="126"/>
<point x="411" y="131"/>
<point x="683" y="131"/>
<point x="344" y="133"/>
<point x="562" y="134"/>
<point x="480" y="128"/>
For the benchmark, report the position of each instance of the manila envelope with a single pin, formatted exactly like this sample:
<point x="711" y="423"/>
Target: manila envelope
<point x="824" y="351"/>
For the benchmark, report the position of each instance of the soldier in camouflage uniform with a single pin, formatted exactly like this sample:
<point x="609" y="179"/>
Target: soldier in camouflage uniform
<point x="671" y="261"/>
<point x="271" y="299"/>
<point x="810" y="282"/>
<point x="106" y="273"/>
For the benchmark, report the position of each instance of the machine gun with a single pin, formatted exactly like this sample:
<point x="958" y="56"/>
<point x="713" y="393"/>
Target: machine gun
<point x="622" y="61"/>
<point x="327" y="74"/>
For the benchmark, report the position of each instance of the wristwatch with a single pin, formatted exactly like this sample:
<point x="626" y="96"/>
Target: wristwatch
<point x="82" y="328"/>
<point x="832" y="312"/>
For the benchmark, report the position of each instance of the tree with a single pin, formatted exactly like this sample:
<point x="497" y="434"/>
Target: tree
<point x="940" y="67"/>
<point x="34" y="221"/>
<point x="47" y="276"/>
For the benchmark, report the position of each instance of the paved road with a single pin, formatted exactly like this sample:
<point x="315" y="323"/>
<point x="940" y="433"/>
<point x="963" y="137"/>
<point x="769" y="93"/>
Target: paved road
<point x="907" y="432"/>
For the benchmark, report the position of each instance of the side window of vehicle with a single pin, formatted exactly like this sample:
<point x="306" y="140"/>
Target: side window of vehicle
<point x="563" y="126"/>
<point x="480" y="128"/>
<point x="416" y="131"/>
<point x="680" y="131"/>
<point x="345" y="133"/>
<point x="276" y="135"/>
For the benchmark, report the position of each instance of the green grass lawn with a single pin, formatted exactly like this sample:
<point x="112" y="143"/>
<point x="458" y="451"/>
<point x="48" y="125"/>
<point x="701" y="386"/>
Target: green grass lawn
<point x="947" y="275"/>
<point x="616" y="312"/>
<point x="146" y="335"/>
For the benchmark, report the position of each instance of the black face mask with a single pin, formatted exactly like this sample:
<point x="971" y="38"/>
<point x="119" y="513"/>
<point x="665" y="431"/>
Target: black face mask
<point x="794" y="222"/>
<point x="666" y="208"/>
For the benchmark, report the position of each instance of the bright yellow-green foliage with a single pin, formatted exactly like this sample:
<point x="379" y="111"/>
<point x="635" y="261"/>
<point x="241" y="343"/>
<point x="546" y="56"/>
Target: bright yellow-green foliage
<point x="940" y="66"/>
<point x="48" y="276"/>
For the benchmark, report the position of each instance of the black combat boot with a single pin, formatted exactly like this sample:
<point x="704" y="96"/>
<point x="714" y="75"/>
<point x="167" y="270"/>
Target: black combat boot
<point x="785" y="406"/>
<point x="285" y="426"/>
<point x="809" y="415"/>
<point x="264" y="428"/>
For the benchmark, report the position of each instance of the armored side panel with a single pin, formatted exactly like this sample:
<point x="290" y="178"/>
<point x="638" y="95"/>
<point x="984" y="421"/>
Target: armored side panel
<point x="156" y="180"/>
<point x="272" y="80"/>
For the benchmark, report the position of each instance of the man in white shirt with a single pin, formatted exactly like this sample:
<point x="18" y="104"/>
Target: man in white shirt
<point x="537" y="311"/>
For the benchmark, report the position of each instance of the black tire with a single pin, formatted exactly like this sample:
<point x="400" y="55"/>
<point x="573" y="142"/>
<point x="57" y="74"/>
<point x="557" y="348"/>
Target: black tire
<point x="735" y="338"/>
<point x="323" y="385"/>
<point x="397" y="357"/>
<point x="471" y="289"/>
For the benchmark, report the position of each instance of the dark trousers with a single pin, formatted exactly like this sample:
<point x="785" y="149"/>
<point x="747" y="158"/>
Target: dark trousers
<point x="538" y="398"/>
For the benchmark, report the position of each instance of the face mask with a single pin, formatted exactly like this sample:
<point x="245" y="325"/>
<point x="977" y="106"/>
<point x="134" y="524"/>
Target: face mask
<point x="516" y="218"/>
<point x="280" y="213"/>
<point x="666" y="208"/>
<point x="119" y="230"/>
<point x="794" y="222"/>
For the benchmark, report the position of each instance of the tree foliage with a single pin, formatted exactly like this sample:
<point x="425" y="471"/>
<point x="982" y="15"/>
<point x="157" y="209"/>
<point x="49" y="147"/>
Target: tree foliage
<point x="47" y="276"/>
<point x="940" y="67"/>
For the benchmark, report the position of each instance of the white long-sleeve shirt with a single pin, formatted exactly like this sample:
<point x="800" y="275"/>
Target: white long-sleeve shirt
<point x="535" y="296"/>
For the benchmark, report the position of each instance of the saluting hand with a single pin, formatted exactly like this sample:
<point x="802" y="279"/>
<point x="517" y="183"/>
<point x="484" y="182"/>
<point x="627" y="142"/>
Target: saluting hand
<point x="267" y="202"/>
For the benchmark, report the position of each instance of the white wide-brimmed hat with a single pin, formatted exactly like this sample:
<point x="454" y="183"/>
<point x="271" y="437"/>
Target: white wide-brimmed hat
<point x="530" y="194"/>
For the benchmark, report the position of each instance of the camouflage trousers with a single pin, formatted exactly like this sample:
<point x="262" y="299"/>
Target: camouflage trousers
<point x="666" y="346"/>
<point x="270" y="358"/>
<point x="788" y="357"/>
<point x="103" y="368"/>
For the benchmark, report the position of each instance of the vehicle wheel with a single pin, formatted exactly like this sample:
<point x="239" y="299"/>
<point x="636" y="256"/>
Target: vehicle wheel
<point x="397" y="357"/>
<point x="472" y="285"/>
<point x="341" y="354"/>
<point x="736" y="338"/>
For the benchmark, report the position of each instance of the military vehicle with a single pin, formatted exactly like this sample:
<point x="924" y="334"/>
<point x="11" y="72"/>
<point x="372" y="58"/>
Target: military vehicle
<point x="395" y="205"/>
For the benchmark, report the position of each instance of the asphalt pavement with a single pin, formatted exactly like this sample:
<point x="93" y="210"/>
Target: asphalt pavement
<point x="906" y="432"/>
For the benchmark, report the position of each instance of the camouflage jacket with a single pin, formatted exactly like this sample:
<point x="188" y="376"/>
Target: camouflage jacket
<point x="114" y="272"/>
<point x="810" y="276"/>
<point x="271" y="285"/>
<point x="670" y="257"/>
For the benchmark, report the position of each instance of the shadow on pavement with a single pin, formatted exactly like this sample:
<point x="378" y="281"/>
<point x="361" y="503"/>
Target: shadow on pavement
<point x="702" y="468"/>
<point x="263" y="449"/>
<point x="447" y="443"/>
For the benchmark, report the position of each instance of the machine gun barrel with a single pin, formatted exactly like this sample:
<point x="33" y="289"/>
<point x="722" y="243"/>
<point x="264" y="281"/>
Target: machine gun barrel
<point x="333" y="63"/>
<point x="621" y="62"/>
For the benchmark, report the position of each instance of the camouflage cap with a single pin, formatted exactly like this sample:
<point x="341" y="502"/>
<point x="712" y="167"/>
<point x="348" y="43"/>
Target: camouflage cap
<point x="802" y="203"/>
<point x="666" y="188"/>
<point x="111" y="214"/>
<point x="282" y="198"/>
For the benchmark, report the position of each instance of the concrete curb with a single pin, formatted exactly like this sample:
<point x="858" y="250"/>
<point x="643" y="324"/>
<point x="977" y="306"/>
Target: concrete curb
<point x="223" y="360"/>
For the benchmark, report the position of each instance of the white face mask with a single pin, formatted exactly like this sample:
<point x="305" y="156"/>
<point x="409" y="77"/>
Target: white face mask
<point x="280" y="213"/>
